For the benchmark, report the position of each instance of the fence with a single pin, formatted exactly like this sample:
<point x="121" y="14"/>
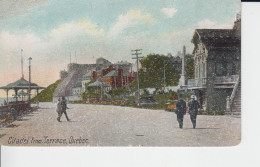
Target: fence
<point x="13" y="111"/>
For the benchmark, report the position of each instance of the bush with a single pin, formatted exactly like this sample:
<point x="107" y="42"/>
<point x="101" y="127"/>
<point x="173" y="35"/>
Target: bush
<point x="77" y="102"/>
<point x="47" y="94"/>
<point x="211" y="112"/>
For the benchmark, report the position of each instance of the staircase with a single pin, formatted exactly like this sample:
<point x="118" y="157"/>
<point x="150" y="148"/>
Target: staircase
<point x="236" y="105"/>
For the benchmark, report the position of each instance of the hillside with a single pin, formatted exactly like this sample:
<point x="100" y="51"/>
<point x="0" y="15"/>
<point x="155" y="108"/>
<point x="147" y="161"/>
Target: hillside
<point x="47" y="94"/>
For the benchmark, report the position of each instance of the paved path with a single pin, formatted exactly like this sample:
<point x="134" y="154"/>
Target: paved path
<point x="98" y="125"/>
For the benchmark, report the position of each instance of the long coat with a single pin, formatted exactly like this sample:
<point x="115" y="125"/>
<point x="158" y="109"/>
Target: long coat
<point x="58" y="107"/>
<point x="193" y="107"/>
<point x="180" y="107"/>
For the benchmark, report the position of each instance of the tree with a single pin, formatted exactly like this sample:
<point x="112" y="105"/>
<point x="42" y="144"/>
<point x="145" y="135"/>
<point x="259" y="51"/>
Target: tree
<point x="189" y="66"/>
<point x="152" y="72"/>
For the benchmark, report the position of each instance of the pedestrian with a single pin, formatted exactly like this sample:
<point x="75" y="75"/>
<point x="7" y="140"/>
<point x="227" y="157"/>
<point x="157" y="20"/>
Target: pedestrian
<point x="58" y="108"/>
<point x="180" y="111"/>
<point x="193" y="110"/>
<point x="63" y="105"/>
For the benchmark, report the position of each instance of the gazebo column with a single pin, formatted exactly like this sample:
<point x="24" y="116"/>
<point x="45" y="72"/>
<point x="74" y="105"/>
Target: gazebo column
<point x="22" y="95"/>
<point x="37" y="92"/>
<point x="27" y="95"/>
<point x="16" y="94"/>
<point x="7" y="95"/>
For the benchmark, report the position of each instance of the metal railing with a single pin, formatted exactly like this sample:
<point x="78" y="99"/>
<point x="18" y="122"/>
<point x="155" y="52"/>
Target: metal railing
<point x="226" y="79"/>
<point x="13" y="111"/>
<point x="233" y="94"/>
<point x="198" y="82"/>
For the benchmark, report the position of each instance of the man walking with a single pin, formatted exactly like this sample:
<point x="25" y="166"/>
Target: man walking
<point x="180" y="111"/>
<point x="63" y="104"/>
<point x="193" y="110"/>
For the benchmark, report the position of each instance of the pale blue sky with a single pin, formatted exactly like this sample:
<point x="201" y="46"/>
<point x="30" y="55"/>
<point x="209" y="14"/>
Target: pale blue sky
<point x="50" y="30"/>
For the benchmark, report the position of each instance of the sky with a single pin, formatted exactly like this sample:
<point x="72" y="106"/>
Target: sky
<point x="50" y="31"/>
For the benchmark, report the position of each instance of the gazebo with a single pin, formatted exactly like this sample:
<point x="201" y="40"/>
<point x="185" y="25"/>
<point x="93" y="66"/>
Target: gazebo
<point x="21" y="84"/>
<point x="99" y="84"/>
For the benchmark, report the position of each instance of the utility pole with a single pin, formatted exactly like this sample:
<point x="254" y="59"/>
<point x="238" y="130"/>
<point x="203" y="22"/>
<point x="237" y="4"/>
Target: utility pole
<point x="137" y="52"/>
<point x="76" y="57"/>
<point x="22" y="62"/>
<point x="29" y="91"/>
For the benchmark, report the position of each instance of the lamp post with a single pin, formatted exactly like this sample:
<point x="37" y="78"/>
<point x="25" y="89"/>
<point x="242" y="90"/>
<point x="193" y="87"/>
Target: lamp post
<point x="29" y="91"/>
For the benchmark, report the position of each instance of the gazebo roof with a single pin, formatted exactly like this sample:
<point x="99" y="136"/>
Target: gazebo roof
<point x="98" y="84"/>
<point x="21" y="84"/>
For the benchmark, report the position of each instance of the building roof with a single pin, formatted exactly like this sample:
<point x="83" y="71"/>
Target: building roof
<point x="78" y="85"/>
<point x="213" y="38"/>
<point x="122" y="62"/>
<point x="87" y="75"/>
<point x="21" y="84"/>
<point x="112" y="73"/>
<point x="98" y="84"/>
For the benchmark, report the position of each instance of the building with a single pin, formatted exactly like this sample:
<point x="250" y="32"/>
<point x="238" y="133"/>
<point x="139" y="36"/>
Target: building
<point x="84" y="73"/>
<point x="117" y="78"/>
<point x="76" y="92"/>
<point x="217" y="64"/>
<point x="86" y="79"/>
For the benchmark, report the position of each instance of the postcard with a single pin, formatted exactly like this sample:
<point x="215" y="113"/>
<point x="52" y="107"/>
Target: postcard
<point x="120" y="73"/>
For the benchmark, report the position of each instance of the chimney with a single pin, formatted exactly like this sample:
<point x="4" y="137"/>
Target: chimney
<point x="94" y="75"/>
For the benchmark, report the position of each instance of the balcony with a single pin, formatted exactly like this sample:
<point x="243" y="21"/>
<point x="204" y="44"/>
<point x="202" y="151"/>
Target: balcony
<point x="219" y="82"/>
<point x="226" y="79"/>
<point x="197" y="83"/>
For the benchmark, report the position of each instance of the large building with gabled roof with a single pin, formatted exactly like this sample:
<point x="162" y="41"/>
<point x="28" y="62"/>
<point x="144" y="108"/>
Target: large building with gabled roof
<point x="217" y="64"/>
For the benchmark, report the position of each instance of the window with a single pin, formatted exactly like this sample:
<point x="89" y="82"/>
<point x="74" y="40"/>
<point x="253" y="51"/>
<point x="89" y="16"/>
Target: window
<point x="229" y="68"/>
<point x="219" y="66"/>
<point x="219" y="69"/>
<point x="204" y="70"/>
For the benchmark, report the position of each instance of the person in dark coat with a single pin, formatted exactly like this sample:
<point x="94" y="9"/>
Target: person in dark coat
<point x="193" y="110"/>
<point x="64" y="107"/>
<point x="180" y="111"/>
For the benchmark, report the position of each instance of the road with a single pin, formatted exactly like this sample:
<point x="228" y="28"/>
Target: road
<point x="100" y="125"/>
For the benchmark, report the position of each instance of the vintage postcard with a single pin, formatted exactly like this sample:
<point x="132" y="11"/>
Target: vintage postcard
<point x="120" y="73"/>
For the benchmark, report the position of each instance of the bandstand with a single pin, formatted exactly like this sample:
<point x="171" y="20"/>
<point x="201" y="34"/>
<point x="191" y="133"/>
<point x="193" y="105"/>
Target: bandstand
<point x="21" y="84"/>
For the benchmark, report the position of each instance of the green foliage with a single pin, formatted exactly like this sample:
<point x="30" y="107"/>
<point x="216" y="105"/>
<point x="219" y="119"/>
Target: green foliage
<point x="76" y="102"/>
<point x="152" y="72"/>
<point x="145" y="93"/>
<point x="211" y="112"/>
<point x="91" y="92"/>
<point x="173" y="95"/>
<point x="118" y="92"/>
<point x="47" y="94"/>
<point x="189" y="66"/>
<point x="162" y="99"/>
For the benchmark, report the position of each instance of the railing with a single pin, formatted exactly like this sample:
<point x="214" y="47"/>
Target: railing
<point x="198" y="82"/>
<point x="226" y="79"/>
<point x="12" y="111"/>
<point x="232" y="97"/>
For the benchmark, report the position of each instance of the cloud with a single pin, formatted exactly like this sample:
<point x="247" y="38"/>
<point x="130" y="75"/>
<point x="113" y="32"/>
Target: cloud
<point x="74" y="29"/>
<point x="10" y="8"/>
<point x="209" y="24"/>
<point x="130" y="19"/>
<point x="169" y="12"/>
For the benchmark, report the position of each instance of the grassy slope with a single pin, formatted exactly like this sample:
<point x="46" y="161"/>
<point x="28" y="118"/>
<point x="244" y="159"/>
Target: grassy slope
<point x="46" y="95"/>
